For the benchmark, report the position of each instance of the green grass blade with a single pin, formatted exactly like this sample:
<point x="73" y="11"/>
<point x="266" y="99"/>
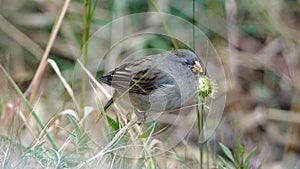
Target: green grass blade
<point x="148" y="132"/>
<point x="247" y="160"/>
<point x="115" y="124"/>
<point x="76" y="128"/>
<point x="260" y="166"/>
<point x="228" y="154"/>
<point x="34" y="114"/>
<point x="224" y="162"/>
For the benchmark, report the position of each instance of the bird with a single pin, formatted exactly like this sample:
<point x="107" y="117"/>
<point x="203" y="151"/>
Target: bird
<point x="156" y="83"/>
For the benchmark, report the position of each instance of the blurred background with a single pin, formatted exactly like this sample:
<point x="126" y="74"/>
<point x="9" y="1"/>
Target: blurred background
<point x="257" y="43"/>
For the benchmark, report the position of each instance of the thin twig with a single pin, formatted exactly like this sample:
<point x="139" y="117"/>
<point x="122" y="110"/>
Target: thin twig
<point x="37" y="77"/>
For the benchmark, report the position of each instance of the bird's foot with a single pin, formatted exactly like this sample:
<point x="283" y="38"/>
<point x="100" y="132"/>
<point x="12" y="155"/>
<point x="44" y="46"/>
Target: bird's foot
<point x="141" y="117"/>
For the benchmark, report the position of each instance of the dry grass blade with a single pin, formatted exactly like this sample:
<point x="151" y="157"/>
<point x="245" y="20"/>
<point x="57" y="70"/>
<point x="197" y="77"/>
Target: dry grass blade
<point x="20" y="38"/>
<point x="109" y="147"/>
<point x="92" y="78"/>
<point x="30" y="108"/>
<point x="94" y="81"/>
<point x="37" y="77"/>
<point x="283" y="115"/>
<point x="63" y="80"/>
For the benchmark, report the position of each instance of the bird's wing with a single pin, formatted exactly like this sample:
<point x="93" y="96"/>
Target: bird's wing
<point x="140" y="77"/>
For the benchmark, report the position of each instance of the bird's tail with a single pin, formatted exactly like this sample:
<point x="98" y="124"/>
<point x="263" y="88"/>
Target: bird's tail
<point x="111" y="101"/>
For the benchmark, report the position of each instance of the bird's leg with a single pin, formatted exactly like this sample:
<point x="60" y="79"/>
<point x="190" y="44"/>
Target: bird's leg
<point x="141" y="116"/>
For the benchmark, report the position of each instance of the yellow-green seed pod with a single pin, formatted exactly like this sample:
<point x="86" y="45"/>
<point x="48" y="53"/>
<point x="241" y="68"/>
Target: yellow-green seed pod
<point x="204" y="88"/>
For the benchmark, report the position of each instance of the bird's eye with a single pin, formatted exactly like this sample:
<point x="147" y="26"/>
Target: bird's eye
<point x="184" y="62"/>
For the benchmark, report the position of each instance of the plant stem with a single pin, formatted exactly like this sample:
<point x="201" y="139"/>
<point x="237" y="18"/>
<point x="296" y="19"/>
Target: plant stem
<point x="84" y="45"/>
<point x="37" y="77"/>
<point x="174" y="43"/>
<point x="199" y="133"/>
<point x="34" y="114"/>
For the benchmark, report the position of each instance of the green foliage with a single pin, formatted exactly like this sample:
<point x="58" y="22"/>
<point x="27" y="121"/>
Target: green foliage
<point x="115" y="124"/>
<point x="152" y="164"/>
<point x="27" y="103"/>
<point x="228" y="154"/>
<point x="136" y="6"/>
<point x="237" y="160"/>
<point x="252" y="30"/>
<point x="80" y="137"/>
<point x="149" y="131"/>
<point x="50" y="158"/>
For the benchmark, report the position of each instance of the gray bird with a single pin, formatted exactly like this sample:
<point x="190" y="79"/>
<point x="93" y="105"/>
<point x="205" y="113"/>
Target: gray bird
<point x="156" y="83"/>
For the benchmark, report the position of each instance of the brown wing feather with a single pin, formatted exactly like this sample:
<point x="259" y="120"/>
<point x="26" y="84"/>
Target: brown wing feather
<point x="141" y="76"/>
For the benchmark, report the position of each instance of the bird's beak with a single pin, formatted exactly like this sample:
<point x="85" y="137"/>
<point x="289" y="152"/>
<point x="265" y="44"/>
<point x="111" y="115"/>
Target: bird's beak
<point x="197" y="68"/>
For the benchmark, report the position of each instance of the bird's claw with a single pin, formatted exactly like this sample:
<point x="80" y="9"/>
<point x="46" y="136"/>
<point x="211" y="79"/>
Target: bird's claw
<point x="141" y="117"/>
